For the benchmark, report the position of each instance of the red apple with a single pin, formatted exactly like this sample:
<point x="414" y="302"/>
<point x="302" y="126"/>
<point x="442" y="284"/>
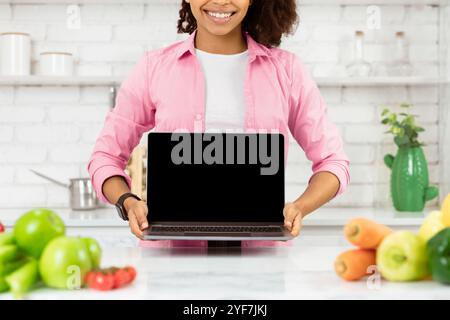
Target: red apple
<point x="2" y="228"/>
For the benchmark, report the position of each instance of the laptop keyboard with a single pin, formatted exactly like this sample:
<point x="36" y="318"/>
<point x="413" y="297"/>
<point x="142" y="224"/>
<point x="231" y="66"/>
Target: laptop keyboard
<point x="215" y="229"/>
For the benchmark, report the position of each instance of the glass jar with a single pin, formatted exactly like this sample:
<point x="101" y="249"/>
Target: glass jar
<point x="401" y="67"/>
<point x="359" y="67"/>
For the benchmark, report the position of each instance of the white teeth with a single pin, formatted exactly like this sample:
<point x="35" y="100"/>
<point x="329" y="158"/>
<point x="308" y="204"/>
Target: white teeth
<point x="220" y="15"/>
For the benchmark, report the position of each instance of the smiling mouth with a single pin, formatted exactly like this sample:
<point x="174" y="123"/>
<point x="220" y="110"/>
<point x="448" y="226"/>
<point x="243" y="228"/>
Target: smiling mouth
<point x="219" y="16"/>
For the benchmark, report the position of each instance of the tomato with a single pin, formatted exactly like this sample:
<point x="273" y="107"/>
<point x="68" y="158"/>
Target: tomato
<point x="102" y="281"/>
<point x="132" y="271"/>
<point x="89" y="278"/>
<point x="121" y="278"/>
<point x="110" y="278"/>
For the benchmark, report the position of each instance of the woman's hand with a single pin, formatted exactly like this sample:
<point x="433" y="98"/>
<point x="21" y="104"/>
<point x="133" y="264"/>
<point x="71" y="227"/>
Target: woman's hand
<point x="293" y="218"/>
<point x="137" y="216"/>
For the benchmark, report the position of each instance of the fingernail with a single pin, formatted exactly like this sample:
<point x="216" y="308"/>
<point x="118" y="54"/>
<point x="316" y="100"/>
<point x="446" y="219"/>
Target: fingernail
<point x="144" y="225"/>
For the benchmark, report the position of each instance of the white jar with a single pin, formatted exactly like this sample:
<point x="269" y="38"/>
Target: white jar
<point x="56" y="64"/>
<point x="15" y="54"/>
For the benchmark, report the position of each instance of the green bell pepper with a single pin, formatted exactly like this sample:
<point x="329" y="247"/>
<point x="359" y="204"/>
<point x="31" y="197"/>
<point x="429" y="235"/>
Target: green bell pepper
<point x="3" y="285"/>
<point x="438" y="249"/>
<point x="8" y="253"/>
<point x="6" y="269"/>
<point x="21" y="280"/>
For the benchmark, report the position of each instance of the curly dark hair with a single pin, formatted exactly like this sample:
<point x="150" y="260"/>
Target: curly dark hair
<point x="266" y="20"/>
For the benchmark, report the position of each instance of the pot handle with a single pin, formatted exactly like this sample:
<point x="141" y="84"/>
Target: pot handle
<point x="59" y="183"/>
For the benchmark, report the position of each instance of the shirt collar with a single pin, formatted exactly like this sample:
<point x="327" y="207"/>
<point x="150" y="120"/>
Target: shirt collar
<point x="254" y="48"/>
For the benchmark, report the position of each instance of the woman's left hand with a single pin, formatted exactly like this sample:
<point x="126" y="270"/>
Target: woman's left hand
<point x="293" y="218"/>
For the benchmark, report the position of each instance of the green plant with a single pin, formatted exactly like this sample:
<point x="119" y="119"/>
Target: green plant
<point x="403" y="127"/>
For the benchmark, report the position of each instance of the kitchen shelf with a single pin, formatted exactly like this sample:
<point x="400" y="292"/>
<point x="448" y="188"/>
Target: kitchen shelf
<point x="377" y="81"/>
<point x="116" y="81"/>
<point x="171" y="2"/>
<point x="59" y="81"/>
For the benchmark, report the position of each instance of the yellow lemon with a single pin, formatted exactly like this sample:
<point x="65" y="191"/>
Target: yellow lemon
<point x="446" y="211"/>
<point x="431" y="225"/>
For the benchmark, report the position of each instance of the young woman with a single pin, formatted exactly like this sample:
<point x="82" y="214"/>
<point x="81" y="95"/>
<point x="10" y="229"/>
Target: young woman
<point x="229" y="74"/>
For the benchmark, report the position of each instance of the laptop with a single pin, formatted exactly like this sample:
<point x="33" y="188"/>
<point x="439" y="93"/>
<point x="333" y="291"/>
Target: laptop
<point x="215" y="186"/>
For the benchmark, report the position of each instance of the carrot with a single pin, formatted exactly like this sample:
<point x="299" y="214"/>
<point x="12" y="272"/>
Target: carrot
<point x="365" y="233"/>
<point x="353" y="264"/>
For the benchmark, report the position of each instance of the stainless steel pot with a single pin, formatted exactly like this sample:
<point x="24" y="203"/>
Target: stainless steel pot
<point x="81" y="192"/>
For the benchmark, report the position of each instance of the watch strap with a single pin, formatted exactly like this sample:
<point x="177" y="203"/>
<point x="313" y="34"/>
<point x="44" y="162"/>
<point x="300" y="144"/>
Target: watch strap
<point x="119" y="204"/>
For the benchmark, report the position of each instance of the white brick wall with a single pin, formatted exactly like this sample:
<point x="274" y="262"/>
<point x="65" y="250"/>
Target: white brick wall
<point x="87" y="33"/>
<point x="6" y="95"/>
<point x="112" y="13"/>
<point x="44" y="95"/>
<point x="5" y="12"/>
<point x="49" y="13"/>
<point x="47" y="134"/>
<point x="85" y="114"/>
<point x="14" y="153"/>
<point x="6" y="134"/>
<point x="20" y="114"/>
<point x="445" y="103"/>
<point x="6" y="174"/>
<point x="53" y="129"/>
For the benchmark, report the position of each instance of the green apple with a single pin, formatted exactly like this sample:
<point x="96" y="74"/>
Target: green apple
<point x="6" y="238"/>
<point x="95" y="251"/>
<point x="402" y="256"/>
<point x="432" y="224"/>
<point x="64" y="263"/>
<point x="21" y="280"/>
<point x="35" y="229"/>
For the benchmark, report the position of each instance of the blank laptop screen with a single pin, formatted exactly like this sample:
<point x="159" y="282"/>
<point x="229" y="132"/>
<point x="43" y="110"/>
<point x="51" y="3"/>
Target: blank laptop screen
<point x="215" y="177"/>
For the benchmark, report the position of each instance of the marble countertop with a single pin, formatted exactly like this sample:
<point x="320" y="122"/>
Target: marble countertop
<point x="303" y="271"/>
<point x="107" y="217"/>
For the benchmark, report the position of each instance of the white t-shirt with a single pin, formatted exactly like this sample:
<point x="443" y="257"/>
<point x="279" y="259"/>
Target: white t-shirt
<point x="225" y="103"/>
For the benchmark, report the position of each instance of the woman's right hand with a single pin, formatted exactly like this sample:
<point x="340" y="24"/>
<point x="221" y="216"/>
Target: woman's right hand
<point x="137" y="216"/>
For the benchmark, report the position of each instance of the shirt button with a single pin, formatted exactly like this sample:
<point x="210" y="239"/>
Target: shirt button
<point x="198" y="116"/>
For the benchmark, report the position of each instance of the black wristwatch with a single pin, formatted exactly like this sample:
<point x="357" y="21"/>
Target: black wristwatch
<point x="119" y="205"/>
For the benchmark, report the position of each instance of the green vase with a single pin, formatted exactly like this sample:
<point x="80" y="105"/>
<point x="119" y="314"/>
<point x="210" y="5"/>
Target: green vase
<point x="410" y="188"/>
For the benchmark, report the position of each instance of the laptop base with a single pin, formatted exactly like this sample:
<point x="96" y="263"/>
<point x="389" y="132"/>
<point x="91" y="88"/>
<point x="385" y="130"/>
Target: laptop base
<point x="224" y="244"/>
<point x="233" y="232"/>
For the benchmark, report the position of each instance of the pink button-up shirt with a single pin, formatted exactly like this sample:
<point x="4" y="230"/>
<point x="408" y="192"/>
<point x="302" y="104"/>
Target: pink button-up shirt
<point x="165" y="92"/>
